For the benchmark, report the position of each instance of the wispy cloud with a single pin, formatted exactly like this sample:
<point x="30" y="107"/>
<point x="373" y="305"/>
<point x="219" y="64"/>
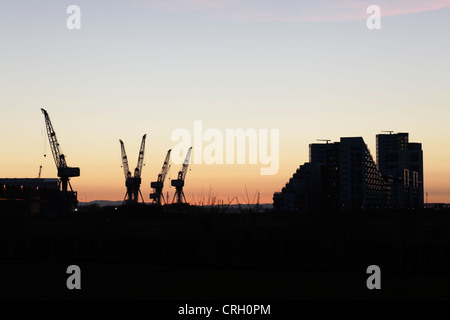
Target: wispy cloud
<point x="295" y="10"/>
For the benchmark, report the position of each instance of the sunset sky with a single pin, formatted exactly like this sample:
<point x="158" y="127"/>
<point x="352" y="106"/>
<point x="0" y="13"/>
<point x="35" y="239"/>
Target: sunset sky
<point x="311" y="69"/>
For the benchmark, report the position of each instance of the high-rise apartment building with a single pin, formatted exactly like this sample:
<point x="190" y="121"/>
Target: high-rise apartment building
<point x="339" y="176"/>
<point x="401" y="164"/>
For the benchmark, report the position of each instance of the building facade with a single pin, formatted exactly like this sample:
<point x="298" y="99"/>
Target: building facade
<point x="34" y="196"/>
<point x="343" y="176"/>
<point x="401" y="164"/>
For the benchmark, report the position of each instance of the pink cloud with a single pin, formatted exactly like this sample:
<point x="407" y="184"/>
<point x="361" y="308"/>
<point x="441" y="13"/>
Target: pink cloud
<point x="296" y="10"/>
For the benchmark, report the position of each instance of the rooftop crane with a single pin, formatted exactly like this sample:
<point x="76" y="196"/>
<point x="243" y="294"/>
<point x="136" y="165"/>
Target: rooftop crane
<point x="179" y="182"/>
<point x="159" y="184"/>
<point x="133" y="183"/>
<point x="64" y="172"/>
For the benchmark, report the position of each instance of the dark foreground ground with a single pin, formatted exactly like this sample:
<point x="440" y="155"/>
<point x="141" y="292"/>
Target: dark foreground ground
<point x="34" y="279"/>
<point x="205" y="254"/>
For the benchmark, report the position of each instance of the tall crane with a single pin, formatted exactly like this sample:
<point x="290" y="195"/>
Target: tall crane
<point x="64" y="172"/>
<point x="133" y="183"/>
<point x="179" y="182"/>
<point x="159" y="184"/>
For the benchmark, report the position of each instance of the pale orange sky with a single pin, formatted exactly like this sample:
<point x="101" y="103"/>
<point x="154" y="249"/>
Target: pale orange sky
<point x="135" y="68"/>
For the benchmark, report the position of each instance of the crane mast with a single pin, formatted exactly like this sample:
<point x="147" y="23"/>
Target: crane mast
<point x="138" y="170"/>
<point x="159" y="184"/>
<point x="133" y="183"/>
<point x="64" y="172"/>
<point x="179" y="182"/>
<point x="165" y="168"/>
<point x="59" y="158"/>
<point x="185" y="165"/>
<point x="126" y="170"/>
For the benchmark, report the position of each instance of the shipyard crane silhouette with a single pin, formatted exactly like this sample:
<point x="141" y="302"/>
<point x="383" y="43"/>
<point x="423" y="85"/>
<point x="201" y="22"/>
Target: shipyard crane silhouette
<point x="159" y="184"/>
<point x="64" y="171"/>
<point x="179" y="182"/>
<point x="133" y="183"/>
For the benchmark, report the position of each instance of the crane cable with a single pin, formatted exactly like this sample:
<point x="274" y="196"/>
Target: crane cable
<point x="44" y="147"/>
<point x="43" y="141"/>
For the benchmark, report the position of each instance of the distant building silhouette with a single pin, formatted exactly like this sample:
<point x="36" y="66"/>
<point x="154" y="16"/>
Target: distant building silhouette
<point x="401" y="164"/>
<point x="343" y="176"/>
<point x="31" y="196"/>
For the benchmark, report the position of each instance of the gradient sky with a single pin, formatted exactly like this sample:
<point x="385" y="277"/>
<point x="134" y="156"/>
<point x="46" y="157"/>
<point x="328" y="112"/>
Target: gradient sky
<point x="309" y="68"/>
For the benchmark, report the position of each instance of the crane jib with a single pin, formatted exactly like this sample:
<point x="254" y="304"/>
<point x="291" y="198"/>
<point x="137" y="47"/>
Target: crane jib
<point x="64" y="171"/>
